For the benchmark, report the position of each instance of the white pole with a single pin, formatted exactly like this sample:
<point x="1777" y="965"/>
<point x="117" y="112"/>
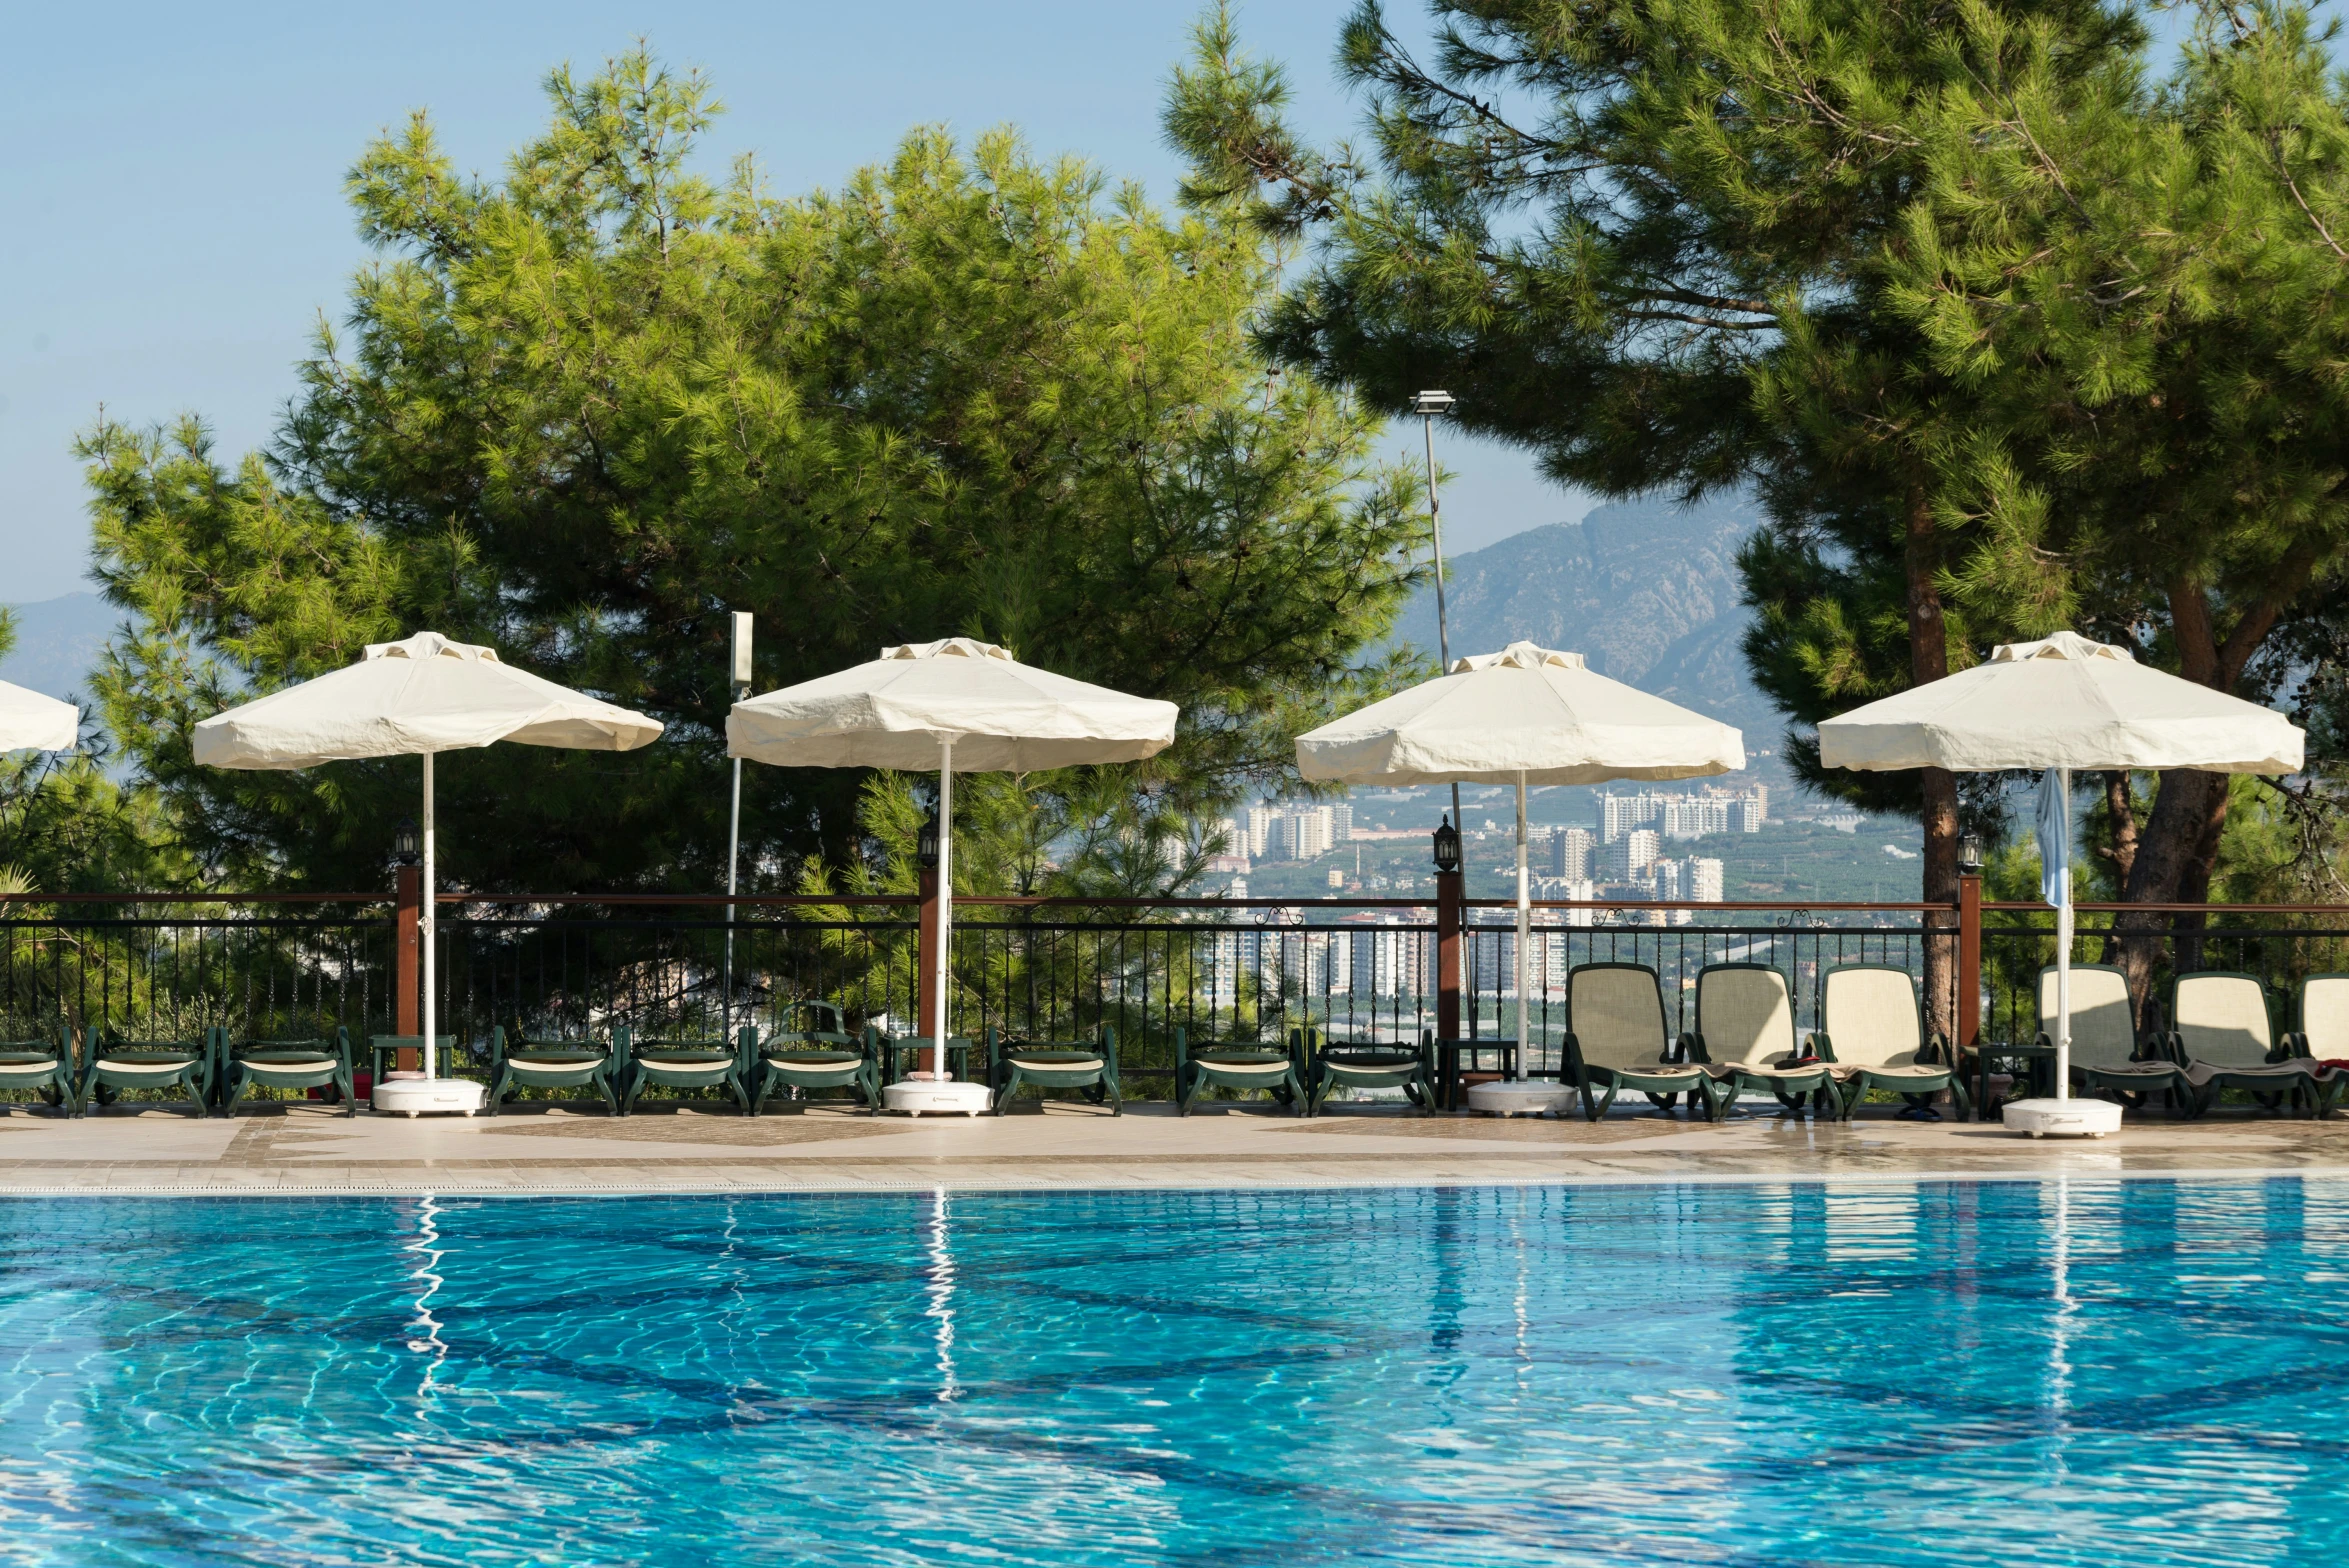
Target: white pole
<point x="945" y="897"/>
<point x="733" y="864"/>
<point x="1524" y="925"/>
<point x="2063" y="949"/>
<point x="425" y="920"/>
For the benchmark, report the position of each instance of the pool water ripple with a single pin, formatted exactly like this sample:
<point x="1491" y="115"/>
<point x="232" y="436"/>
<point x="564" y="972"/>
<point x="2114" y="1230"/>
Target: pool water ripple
<point x="2053" y="1373"/>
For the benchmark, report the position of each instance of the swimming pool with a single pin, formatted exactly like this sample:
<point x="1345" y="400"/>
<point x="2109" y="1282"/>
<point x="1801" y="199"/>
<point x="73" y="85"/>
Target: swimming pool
<point x="2145" y="1372"/>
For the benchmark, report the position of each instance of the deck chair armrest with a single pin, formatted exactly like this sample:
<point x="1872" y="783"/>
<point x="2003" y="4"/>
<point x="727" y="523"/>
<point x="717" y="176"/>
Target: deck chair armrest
<point x="1182" y="1047"/>
<point x="1692" y="1049"/>
<point x="1822" y="1047"/>
<point x="1935" y="1052"/>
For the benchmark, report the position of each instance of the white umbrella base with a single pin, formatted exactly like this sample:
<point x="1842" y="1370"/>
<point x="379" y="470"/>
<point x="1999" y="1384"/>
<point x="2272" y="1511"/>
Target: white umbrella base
<point x="2063" y="1118"/>
<point x="427" y="1096"/>
<point x="1525" y="1097"/>
<point x="937" y="1099"/>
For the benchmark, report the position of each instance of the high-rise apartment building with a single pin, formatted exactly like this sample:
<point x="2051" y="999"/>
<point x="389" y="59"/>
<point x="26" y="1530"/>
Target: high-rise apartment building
<point x="1629" y="857"/>
<point x="1571" y="852"/>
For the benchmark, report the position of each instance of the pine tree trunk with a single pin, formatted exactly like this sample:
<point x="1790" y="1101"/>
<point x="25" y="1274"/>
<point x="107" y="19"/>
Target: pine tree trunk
<point x="1937" y="787"/>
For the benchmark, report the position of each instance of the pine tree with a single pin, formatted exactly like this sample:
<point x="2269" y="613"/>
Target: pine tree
<point x="582" y="411"/>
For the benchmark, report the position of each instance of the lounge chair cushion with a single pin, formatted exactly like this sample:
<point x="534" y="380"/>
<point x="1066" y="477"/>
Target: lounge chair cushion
<point x="815" y="1059"/>
<point x="695" y="1063"/>
<point x="1224" y="1065"/>
<point x="287" y="1064"/>
<point x="1066" y="1064"/>
<point x="28" y="1067"/>
<point x="118" y="1064"/>
<point x="2199" y="1074"/>
<point x="1726" y="1070"/>
<point x="2222" y="1021"/>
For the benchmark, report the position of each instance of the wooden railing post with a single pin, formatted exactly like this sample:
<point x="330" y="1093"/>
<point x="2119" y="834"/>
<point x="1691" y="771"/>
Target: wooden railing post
<point x="1451" y="892"/>
<point x="407" y="968"/>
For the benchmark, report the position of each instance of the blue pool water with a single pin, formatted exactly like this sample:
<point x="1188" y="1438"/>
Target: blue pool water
<point x="2146" y="1373"/>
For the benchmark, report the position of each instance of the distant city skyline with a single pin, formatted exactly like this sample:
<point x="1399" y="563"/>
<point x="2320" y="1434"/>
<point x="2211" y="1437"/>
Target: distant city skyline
<point x="183" y="229"/>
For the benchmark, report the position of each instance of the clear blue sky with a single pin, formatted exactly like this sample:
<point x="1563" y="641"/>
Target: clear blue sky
<point x="177" y="219"/>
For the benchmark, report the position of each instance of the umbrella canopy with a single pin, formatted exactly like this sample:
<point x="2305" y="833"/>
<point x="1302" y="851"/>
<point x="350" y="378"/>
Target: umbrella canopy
<point x="1526" y="715"/>
<point x="960" y="706"/>
<point x="1523" y="715"/>
<point x="1003" y="716"/>
<point x="421" y="695"/>
<point x="425" y="693"/>
<point x="2062" y="702"/>
<point x="32" y="722"/>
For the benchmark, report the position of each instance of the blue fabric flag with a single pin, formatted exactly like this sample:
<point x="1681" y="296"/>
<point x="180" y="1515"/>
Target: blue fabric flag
<point x="2055" y="839"/>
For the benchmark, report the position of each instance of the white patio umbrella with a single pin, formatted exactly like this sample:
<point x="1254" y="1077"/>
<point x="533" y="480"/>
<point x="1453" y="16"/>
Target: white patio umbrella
<point x="32" y="722"/>
<point x="422" y="695"/>
<point x="2057" y="704"/>
<point x="1523" y="716"/>
<point x="959" y="706"/>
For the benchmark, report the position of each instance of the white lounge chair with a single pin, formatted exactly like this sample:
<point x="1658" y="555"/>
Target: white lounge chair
<point x="2324" y="1034"/>
<point x="2107" y="1050"/>
<point x="1872" y="1031"/>
<point x="2222" y="1035"/>
<point x="1616" y="1039"/>
<point x="1745" y="1038"/>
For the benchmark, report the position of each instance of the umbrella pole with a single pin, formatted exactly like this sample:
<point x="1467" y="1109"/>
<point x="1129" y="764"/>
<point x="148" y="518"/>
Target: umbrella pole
<point x="2063" y="949"/>
<point x="945" y="897"/>
<point x="1524" y="928"/>
<point x="431" y="1032"/>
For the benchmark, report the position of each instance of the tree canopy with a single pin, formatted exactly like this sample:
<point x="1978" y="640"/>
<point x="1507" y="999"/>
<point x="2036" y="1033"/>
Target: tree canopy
<point x="2005" y="327"/>
<point x="584" y="410"/>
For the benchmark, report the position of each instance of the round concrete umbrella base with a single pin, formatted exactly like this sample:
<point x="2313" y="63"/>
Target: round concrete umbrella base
<point x="935" y="1098"/>
<point x="1524" y="1097"/>
<point x="427" y="1096"/>
<point x="2063" y="1118"/>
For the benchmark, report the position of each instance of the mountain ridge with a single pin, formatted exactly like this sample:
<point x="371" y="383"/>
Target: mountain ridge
<point x="1645" y="590"/>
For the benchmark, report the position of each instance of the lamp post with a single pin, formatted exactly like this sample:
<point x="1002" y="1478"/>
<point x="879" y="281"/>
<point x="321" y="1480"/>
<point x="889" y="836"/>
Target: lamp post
<point x="739" y="660"/>
<point x="407" y="843"/>
<point x="1427" y="405"/>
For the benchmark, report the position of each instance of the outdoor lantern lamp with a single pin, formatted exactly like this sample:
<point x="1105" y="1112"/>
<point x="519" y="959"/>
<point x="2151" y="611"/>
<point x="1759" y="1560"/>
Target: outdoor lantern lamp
<point x="407" y="843"/>
<point x="1433" y="403"/>
<point x="1970" y="854"/>
<point x="1447" y="847"/>
<point x="927" y="845"/>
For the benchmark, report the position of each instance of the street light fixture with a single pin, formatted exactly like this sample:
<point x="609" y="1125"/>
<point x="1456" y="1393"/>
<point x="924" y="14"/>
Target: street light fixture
<point x="1427" y="405"/>
<point x="1447" y="847"/>
<point x="407" y="842"/>
<point x="1970" y="854"/>
<point x="926" y="846"/>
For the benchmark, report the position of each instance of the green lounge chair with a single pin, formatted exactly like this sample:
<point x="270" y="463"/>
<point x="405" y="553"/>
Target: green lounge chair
<point x="43" y="1065"/>
<point x="682" y="1064"/>
<point x="1872" y="1031"/>
<point x="1745" y="1038"/>
<point x="115" y="1064"/>
<point x="1235" y="1066"/>
<point x="2323" y="1035"/>
<point x="286" y="1064"/>
<point x="1363" y="1064"/>
<point x="1616" y="1039"/>
<point x="818" y="1053"/>
<point x="2107" y="1050"/>
<point x="517" y="1063"/>
<point x="2222" y="1037"/>
<point x="1055" y="1064"/>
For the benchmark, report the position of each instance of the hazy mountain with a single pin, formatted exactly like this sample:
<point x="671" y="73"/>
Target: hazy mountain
<point x="57" y="643"/>
<point x="1645" y="590"/>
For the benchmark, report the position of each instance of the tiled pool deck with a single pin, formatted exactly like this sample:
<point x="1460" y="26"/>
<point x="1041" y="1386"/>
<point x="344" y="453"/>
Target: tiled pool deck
<point x="538" y="1149"/>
